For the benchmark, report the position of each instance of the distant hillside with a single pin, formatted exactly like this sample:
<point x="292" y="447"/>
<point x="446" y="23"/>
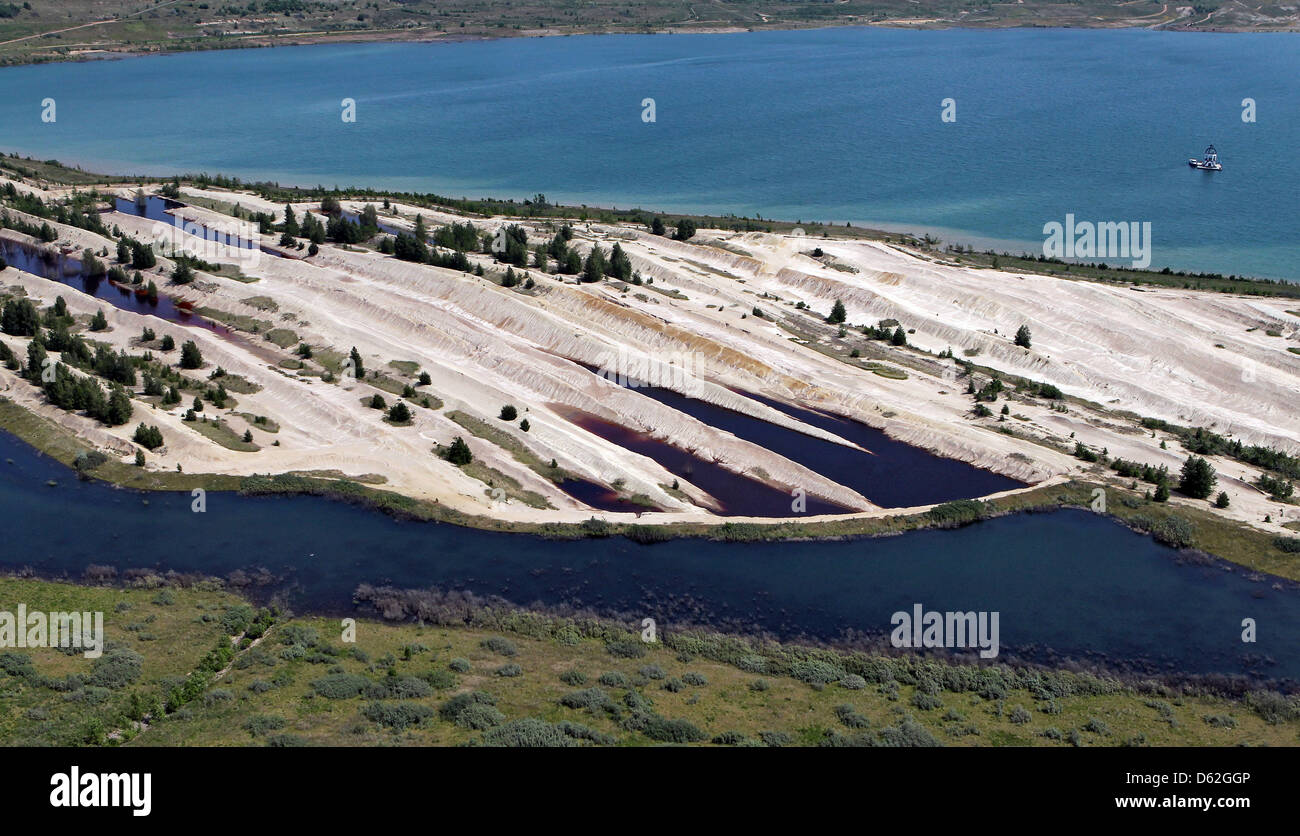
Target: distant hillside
<point x="46" y="30"/>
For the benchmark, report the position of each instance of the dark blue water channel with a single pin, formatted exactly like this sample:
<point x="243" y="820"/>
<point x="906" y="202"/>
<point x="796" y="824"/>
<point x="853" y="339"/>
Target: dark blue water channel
<point x="1066" y="584"/>
<point x="57" y="267"/>
<point x="160" y="209"/>
<point x="891" y="474"/>
<point x="736" y="494"/>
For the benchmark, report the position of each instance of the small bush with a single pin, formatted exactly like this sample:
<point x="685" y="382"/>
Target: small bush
<point x="528" y="733"/>
<point x="613" y="679"/>
<point x="926" y="702"/>
<point x="1097" y="727"/>
<point x="340" y="686"/>
<point x="849" y="716"/>
<point x="472" y="710"/>
<point x="263" y="723"/>
<point x="500" y="646"/>
<point x="396" y="715"/>
<point x="626" y="648"/>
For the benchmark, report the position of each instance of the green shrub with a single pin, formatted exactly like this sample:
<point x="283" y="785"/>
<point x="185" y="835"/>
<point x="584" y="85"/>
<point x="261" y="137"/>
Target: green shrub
<point x="1290" y="545"/>
<point x="528" y="733"/>
<point x="849" y="716"/>
<point x="472" y="710"/>
<point x="500" y="646"/>
<point x="399" y="688"/>
<point x="814" y="671"/>
<point x="670" y="731"/>
<point x="396" y="715"/>
<point x="1273" y="707"/>
<point x="1097" y="727"/>
<point x="262" y="723"/>
<point x="340" y="686"/>
<point x="440" y="680"/>
<point x="573" y="677"/>
<point x="593" y="700"/>
<point x="626" y="648"/>
<point x="117" y="668"/>
<point x="926" y="702"/>
<point x="958" y="513"/>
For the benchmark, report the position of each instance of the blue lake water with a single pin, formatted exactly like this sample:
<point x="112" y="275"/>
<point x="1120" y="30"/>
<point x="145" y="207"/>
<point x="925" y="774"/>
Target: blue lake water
<point x="835" y="125"/>
<point x="1066" y="584"/>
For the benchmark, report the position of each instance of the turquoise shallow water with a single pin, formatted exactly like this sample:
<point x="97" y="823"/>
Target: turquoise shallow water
<point x="836" y="124"/>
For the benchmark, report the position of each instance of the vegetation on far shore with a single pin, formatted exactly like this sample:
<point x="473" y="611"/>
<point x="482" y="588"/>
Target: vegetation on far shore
<point x="539" y="208"/>
<point x="61" y="30"/>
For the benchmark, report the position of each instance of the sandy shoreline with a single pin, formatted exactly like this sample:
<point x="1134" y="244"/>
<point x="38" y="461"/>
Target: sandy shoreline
<point x="1192" y="358"/>
<point x="1176" y="22"/>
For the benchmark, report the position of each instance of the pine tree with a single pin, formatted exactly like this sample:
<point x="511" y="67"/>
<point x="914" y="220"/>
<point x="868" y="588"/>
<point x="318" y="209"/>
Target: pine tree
<point x="118" y="410"/>
<point x="620" y="266"/>
<point x="290" y="222"/>
<point x="838" y="313"/>
<point x="358" y="368"/>
<point x="148" y="437"/>
<point x="1023" y="337"/>
<point x="1198" y="478"/>
<point x="191" y="357"/>
<point x="459" y="453"/>
<point x="594" y="268"/>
